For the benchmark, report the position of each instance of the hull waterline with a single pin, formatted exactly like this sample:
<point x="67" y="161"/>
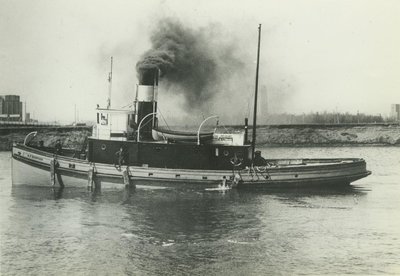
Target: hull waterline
<point x="33" y="167"/>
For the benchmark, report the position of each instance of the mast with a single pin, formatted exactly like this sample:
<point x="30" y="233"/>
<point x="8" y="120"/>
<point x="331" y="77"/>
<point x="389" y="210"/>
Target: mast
<point x="253" y="142"/>
<point x="109" y="85"/>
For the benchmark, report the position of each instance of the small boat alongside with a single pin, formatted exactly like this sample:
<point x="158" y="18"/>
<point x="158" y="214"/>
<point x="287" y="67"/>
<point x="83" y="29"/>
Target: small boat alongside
<point x="159" y="134"/>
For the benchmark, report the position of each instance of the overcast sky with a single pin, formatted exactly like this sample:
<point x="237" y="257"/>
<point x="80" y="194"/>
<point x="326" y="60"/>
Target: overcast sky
<point x="316" y="55"/>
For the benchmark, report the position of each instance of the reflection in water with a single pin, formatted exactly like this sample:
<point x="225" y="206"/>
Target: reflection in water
<point x="301" y="198"/>
<point x="153" y="225"/>
<point x="156" y="229"/>
<point x="58" y="192"/>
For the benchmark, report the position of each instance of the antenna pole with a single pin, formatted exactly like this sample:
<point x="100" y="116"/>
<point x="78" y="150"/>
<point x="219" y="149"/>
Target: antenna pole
<point x="253" y="142"/>
<point x="109" y="85"/>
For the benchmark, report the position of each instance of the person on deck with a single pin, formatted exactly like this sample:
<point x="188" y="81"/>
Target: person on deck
<point x="258" y="159"/>
<point x="119" y="158"/>
<point x="58" y="147"/>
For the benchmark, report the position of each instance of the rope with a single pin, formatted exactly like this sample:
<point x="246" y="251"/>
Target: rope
<point x="248" y="104"/>
<point x="163" y="118"/>
<point x="128" y="105"/>
<point x="267" y="175"/>
<point x="258" y="177"/>
<point x="234" y="174"/>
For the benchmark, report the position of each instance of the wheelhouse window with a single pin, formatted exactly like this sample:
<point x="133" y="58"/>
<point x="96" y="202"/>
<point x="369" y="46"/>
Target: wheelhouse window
<point x="104" y="119"/>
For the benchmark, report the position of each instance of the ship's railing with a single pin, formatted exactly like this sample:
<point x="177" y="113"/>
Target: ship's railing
<point x="198" y="131"/>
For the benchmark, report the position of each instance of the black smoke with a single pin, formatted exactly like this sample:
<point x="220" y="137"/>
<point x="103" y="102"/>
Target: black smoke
<point x="194" y="62"/>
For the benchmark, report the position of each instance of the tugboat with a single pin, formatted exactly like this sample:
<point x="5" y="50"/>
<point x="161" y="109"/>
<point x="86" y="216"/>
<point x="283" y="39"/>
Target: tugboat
<point x="128" y="147"/>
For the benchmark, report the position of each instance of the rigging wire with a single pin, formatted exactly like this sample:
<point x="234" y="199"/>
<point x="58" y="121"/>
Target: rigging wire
<point x="248" y="103"/>
<point x="128" y="105"/>
<point x="165" y="121"/>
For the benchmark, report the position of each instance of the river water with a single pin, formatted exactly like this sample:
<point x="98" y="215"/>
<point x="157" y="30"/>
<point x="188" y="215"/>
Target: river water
<point x="353" y="230"/>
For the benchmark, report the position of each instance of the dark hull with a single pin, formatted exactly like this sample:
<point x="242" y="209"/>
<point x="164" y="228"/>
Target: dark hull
<point x="32" y="167"/>
<point x="168" y="155"/>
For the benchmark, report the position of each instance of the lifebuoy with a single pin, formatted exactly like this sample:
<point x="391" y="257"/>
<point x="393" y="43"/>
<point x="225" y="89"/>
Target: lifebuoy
<point x="236" y="161"/>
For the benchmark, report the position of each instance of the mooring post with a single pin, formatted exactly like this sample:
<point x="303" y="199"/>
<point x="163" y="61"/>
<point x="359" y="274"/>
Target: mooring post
<point x="53" y="172"/>
<point x="91" y="177"/>
<point x="127" y="179"/>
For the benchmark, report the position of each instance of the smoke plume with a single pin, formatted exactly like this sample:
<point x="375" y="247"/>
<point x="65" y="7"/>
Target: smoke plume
<point x="193" y="62"/>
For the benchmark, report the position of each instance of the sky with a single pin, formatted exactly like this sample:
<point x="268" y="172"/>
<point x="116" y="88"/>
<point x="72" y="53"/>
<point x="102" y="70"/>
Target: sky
<point x="316" y="55"/>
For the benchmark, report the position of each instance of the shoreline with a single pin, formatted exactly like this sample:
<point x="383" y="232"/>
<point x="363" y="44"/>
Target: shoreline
<point x="377" y="135"/>
<point x="326" y="145"/>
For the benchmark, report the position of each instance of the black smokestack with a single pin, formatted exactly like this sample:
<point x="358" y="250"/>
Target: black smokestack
<point x="148" y="76"/>
<point x="185" y="60"/>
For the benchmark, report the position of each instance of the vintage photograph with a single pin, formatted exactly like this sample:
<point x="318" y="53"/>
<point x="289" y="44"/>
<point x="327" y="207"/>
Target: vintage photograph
<point x="172" y="137"/>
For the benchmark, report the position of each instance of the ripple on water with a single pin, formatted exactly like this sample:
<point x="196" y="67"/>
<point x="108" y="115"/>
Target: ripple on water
<point x="351" y="230"/>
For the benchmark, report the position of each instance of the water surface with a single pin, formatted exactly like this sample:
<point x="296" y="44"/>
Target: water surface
<point x="352" y="230"/>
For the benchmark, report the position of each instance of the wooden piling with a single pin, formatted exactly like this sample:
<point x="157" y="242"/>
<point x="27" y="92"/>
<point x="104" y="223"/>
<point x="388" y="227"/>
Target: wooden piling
<point x="91" y="177"/>
<point x="127" y="179"/>
<point x="53" y="172"/>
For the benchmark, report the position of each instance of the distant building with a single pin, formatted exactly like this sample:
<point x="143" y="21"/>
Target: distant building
<point x="10" y="108"/>
<point x="1" y="104"/>
<point x="395" y="112"/>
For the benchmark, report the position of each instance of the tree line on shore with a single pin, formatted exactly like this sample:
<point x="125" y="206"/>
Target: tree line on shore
<point x="324" y="118"/>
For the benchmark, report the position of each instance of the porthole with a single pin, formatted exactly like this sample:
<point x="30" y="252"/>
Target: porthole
<point x="296" y="175"/>
<point x="103" y="147"/>
<point x="226" y="152"/>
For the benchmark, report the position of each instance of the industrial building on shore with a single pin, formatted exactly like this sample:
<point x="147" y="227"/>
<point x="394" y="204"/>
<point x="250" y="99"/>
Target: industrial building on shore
<point x="395" y="112"/>
<point x="12" y="109"/>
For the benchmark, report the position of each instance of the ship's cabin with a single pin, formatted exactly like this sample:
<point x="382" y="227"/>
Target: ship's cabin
<point x="144" y="143"/>
<point x="113" y="124"/>
<point x="116" y="129"/>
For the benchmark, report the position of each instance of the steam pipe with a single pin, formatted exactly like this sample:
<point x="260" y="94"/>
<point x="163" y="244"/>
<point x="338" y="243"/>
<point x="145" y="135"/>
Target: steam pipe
<point x="198" y="132"/>
<point x="140" y="124"/>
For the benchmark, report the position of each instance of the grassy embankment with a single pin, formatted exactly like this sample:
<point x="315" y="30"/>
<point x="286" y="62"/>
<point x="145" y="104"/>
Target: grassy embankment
<point x="329" y="135"/>
<point x="70" y="137"/>
<point x="274" y="135"/>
